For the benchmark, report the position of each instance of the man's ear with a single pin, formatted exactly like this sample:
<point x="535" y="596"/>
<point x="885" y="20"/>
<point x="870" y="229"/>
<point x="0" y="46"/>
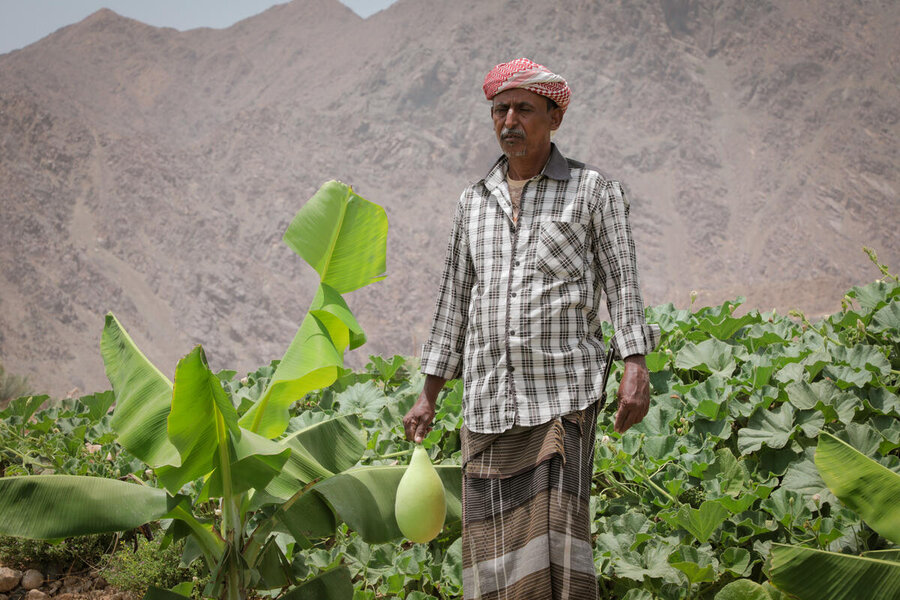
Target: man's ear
<point x="556" y="117"/>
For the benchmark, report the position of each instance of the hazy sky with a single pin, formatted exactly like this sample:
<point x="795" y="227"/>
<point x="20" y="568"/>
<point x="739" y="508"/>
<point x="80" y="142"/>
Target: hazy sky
<point x="23" y="22"/>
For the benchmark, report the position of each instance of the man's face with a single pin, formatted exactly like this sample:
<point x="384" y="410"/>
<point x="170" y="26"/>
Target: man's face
<point x="523" y="122"/>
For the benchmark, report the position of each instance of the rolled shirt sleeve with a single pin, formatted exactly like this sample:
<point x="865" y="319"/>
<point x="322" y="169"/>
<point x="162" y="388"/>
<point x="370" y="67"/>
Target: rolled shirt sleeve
<point x="617" y="267"/>
<point x="442" y="354"/>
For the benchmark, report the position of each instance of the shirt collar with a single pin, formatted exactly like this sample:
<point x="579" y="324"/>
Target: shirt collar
<point x="557" y="167"/>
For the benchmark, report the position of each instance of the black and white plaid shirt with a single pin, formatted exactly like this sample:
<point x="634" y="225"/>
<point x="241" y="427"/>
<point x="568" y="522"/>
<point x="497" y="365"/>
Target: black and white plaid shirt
<point x="517" y="310"/>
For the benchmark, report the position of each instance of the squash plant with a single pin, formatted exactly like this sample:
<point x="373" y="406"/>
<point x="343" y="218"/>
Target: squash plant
<point x="203" y="444"/>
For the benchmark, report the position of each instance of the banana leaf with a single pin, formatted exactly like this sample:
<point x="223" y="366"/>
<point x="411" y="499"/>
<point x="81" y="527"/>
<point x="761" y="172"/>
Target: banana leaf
<point x="319" y="451"/>
<point x="59" y="506"/>
<point x="344" y="238"/>
<point x="143" y="398"/>
<point x="815" y="574"/>
<point x="330" y="585"/>
<point x="863" y="485"/>
<point x="364" y="498"/>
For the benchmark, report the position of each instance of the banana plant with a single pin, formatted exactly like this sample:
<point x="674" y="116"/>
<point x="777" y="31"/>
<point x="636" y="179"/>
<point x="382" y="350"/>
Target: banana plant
<point x="201" y="447"/>
<point x="872" y="491"/>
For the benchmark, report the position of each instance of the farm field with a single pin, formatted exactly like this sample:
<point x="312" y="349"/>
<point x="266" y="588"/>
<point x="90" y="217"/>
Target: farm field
<point x="718" y="484"/>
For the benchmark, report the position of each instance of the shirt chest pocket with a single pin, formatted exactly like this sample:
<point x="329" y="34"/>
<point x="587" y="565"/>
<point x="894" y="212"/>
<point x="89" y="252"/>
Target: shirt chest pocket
<point x="561" y="250"/>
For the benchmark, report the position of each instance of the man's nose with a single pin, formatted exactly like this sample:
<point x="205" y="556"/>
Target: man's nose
<point x="511" y="118"/>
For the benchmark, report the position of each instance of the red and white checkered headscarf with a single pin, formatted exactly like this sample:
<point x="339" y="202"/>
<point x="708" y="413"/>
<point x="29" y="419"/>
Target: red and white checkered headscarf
<point x="523" y="73"/>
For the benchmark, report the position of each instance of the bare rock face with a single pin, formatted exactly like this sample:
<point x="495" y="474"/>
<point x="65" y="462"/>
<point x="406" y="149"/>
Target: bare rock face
<point x="32" y="579"/>
<point x="151" y="172"/>
<point x="9" y="579"/>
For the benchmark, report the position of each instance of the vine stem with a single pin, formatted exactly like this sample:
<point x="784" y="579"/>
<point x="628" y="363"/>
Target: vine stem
<point x="393" y="454"/>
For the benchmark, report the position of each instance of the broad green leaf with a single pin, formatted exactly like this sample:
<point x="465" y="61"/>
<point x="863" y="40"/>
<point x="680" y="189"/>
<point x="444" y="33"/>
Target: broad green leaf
<point x="200" y="420"/>
<point x="656" y="361"/>
<point x="255" y="461"/>
<point x="729" y="471"/>
<point x="862" y="484"/>
<point x="884" y="401"/>
<point x="815" y="574"/>
<point x="651" y="563"/>
<point x="335" y="584"/>
<point x="143" y="398"/>
<point x="758" y="369"/>
<point x="862" y="357"/>
<point x="786" y="506"/>
<point x="727" y="326"/>
<point x="887" y="319"/>
<point x="24" y="407"/>
<point x="364" y="399"/>
<point x="709" y="398"/>
<point x="711" y="356"/>
<point x="155" y="593"/>
<point x="863" y="437"/>
<point x="342" y="236"/>
<point x="451" y="569"/>
<point x="810" y="422"/>
<point x="770" y="427"/>
<point x="272" y="567"/>
<point x="803" y="477"/>
<point x="311" y="362"/>
<point x="318" y="451"/>
<point x="736" y="561"/>
<point x="873" y="295"/>
<point x="364" y="498"/>
<point x="742" y="589"/>
<point x="98" y="404"/>
<point x="701" y="522"/>
<point x="60" y="506"/>
<point x="696" y="563"/>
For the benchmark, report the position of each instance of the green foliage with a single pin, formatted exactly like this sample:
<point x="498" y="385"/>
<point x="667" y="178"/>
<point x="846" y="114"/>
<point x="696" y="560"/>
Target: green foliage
<point x="73" y="554"/>
<point x="687" y="505"/>
<point x="203" y="445"/>
<point x="134" y="570"/>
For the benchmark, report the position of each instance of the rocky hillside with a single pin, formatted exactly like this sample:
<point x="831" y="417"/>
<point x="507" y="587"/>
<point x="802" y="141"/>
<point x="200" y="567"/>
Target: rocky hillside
<point x="151" y="172"/>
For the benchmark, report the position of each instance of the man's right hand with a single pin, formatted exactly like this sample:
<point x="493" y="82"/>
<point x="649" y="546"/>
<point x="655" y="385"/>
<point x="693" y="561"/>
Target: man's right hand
<point x="417" y="422"/>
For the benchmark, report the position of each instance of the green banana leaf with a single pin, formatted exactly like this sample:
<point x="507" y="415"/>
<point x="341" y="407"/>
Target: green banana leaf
<point x="155" y="593"/>
<point x="143" y="398"/>
<point x="311" y="362"/>
<point x="255" y="460"/>
<point x="364" y="498"/>
<point x="863" y="485"/>
<point x="331" y="585"/>
<point x="58" y="506"/>
<point x="815" y="574"/>
<point x="342" y="236"/>
<point x="319" y="451"/>
<point x="200" y="420"/>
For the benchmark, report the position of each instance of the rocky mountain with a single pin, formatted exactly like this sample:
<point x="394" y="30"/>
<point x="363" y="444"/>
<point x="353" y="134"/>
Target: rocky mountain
<point x="152" y="172"/>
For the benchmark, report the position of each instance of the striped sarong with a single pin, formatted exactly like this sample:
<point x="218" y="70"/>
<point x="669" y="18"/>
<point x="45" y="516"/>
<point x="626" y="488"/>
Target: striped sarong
<point x="526" y="526"/>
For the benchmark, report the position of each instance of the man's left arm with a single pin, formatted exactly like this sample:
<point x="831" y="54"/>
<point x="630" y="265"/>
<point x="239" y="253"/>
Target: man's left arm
<point x="633" y="338"/>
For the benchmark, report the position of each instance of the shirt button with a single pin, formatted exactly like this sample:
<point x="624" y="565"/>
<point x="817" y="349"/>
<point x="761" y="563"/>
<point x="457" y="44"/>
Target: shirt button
<point x="511" y="332"/>
<point x="517" y="263"/>
<point x="511" y="369"/>
<point x="513" y="294"/>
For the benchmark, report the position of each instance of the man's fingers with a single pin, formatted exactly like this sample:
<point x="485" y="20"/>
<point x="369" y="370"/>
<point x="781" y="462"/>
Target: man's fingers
<point x="421" y="431"/>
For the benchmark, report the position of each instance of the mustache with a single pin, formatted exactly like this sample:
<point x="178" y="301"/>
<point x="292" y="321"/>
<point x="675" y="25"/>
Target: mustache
<point x="512" y="133"/>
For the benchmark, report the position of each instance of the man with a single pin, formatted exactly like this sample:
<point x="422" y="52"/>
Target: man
<point x="532" y="247"/>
